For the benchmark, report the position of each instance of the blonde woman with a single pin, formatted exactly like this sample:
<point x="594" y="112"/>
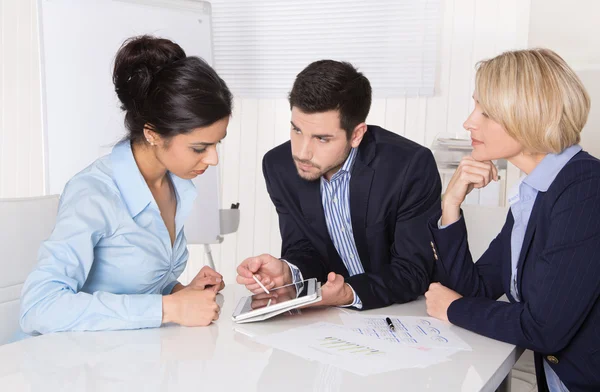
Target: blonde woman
<point x="530" y="108"/>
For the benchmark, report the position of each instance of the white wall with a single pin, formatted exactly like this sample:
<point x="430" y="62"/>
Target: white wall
<point x="471" y="30"/>
<point x="21" y="147"/>
<point x="572" y="29"/>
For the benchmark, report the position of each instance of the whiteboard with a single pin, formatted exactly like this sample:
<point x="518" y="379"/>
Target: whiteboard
<point x="82" y="119"/>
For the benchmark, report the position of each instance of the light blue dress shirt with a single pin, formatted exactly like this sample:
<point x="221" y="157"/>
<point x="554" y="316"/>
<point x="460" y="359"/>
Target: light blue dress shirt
<point x="522" y="198"/>
<point x="335" y="196"/>
<point x="109" y="260"/>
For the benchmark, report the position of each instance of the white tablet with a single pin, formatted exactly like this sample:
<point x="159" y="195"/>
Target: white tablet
<point x="279" y="298"/>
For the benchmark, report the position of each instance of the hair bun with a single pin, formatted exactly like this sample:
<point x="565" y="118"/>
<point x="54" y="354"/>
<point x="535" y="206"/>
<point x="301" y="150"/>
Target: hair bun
<point x="137" y="62"/>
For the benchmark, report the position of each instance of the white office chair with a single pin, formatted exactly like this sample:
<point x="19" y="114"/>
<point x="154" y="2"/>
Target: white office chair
<point x="483" y="225"/>
<point x="24" y="224"/>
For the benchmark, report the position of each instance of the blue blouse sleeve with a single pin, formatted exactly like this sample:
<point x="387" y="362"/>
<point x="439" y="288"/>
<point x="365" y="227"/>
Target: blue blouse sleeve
<point x="51" y="299"/>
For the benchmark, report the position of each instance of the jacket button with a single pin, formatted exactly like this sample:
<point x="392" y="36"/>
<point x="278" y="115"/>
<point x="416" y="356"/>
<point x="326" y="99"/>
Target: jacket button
<point x="552" y="359"/>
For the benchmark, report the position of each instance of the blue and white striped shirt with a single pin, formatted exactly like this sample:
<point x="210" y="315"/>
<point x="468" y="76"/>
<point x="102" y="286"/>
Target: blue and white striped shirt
<point x="335" y="196"/>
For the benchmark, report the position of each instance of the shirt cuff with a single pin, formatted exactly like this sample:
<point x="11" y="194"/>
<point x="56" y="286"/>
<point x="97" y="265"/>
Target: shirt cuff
<point x="296" y="274"/>
<point x="357" y="303"/>
<point x="297" y="277"/>
<point x="146" y="310"/>
<point x="441" y="227"/>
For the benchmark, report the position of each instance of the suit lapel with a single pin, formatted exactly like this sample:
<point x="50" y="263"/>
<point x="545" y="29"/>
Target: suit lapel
<point x="360" y="190"/>
<point x="506" y="255"/>
<point x="312" y="209"/>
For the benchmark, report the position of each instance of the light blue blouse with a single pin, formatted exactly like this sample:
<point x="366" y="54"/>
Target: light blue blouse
<point x="109" y="259"/>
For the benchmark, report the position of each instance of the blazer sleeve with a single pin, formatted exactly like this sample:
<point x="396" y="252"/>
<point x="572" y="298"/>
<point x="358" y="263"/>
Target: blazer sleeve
<point x="455" y="268"/>
<point x="566" y="281"/>
<point x="408" y="274"/>
<point x="296" y="249"/>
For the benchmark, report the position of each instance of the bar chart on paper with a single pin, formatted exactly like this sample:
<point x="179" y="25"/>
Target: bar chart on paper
<point x="336" y="346"/>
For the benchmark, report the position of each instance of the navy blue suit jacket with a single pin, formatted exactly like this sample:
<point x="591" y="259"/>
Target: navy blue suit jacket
<point x="558" y="278"/>
<point x="394" y="189"/>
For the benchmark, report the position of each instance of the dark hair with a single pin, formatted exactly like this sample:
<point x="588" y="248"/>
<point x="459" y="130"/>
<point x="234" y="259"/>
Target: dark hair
<point x="159" y="86"/>
<point x="333" y="85"/>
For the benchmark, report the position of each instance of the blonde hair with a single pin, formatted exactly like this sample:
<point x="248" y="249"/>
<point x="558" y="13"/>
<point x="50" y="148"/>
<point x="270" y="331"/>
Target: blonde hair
<point x="536" y="97"/>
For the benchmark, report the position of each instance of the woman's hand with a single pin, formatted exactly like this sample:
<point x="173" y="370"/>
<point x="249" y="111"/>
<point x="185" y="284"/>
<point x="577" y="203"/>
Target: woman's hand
<point x="191" y="307"/>
<point x="469" y="175"/>
<point x="208" y="278"/>
<point x="438" y="300"/>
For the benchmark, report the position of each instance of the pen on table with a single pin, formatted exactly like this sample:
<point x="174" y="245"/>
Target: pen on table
<point x="390" y="324"/>
<point x="260" y="284"/>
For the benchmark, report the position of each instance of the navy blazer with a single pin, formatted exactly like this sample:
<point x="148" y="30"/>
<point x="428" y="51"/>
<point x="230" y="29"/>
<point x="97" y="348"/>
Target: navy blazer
<point x="558" y="278"/>
<point x="394" y="189"/>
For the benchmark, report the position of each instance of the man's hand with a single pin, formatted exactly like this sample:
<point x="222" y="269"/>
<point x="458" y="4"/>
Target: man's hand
<point x="270" y="271"/>
<point x="335" y="292"/>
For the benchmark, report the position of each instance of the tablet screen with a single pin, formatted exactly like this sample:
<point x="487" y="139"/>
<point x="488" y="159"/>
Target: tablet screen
<point x="277" y="296"/>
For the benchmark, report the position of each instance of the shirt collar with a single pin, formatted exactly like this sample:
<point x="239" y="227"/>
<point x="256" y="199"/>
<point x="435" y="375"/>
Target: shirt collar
<point x="133" y="187"/>
<point x="546" y="171"/>
<point x="347" y="166"/>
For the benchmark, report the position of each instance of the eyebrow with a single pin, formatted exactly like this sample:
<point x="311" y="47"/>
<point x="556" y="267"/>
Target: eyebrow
<point x="323" y="136"/>
<point x="206" y="144"/>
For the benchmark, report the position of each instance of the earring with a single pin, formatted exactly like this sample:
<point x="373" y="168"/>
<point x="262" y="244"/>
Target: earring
<point x="151" y="143"/>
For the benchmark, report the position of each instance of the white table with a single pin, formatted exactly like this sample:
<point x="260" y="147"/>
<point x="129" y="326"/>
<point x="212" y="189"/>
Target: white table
<point x="224" y="357"/>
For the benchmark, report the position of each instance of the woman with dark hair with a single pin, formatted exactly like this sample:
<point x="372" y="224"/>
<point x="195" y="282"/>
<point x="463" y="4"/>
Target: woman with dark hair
<point x="118" y="247"/>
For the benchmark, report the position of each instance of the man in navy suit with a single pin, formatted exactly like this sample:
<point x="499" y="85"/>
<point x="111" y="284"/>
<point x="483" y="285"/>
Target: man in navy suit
<point x="353" y="199"/>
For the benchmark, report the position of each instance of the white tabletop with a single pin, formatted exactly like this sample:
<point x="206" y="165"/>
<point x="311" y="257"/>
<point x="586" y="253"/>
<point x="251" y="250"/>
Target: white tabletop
<point x="224" y="357"/>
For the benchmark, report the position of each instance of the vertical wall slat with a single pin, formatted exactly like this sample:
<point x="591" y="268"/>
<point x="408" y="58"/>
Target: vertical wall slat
<point x="36" y="149"/>
<point x="281" y="135"/>
<point x="230" y="160"/>
<point x="461" y="66"/>
<point x="3" y="15"/>
<point x="412" y="121"/>
<point x="437" y="106"/>
<point x="377" y="113"/>
<point x="262" y="217"/>
<point x="247" y="177"/>
<point x="21" y="145"/>
<point x="12" y="131"/>
<point x="395" y="111"/>
<point x="23" y="101"/>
